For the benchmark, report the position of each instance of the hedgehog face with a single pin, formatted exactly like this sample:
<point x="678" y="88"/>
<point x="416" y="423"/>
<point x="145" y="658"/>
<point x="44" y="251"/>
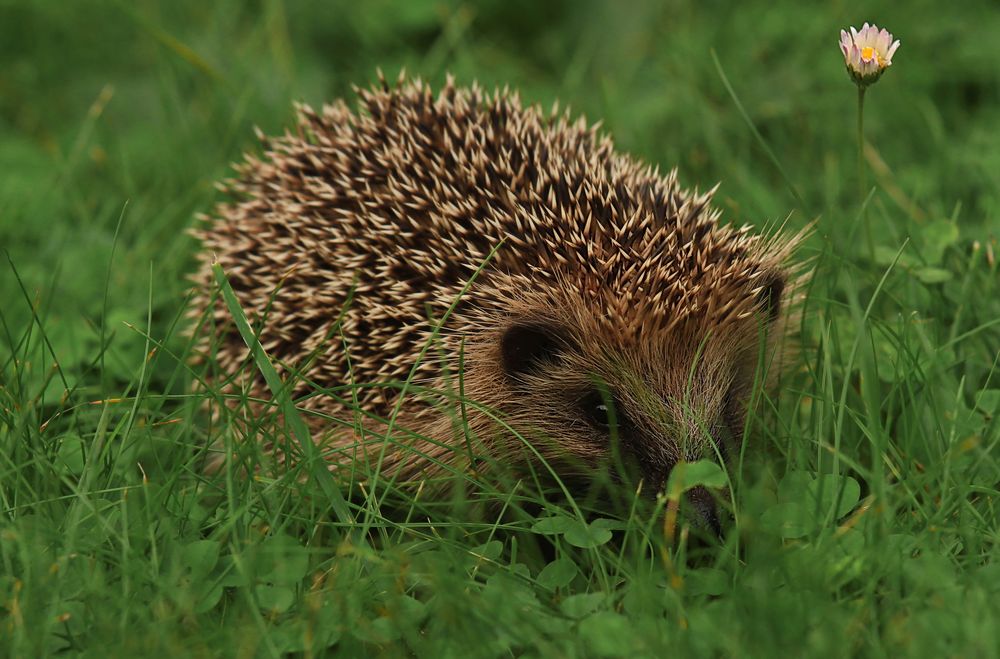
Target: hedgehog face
<point x="594" y="399"/>
<point x="636" y="401"/>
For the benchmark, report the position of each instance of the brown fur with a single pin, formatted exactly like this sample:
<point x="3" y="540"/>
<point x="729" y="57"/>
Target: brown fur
<point x="631" y="278"/>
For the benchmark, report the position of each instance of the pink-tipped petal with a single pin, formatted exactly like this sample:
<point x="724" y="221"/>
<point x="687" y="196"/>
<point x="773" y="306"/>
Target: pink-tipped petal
<point x="884" y="39"/>
<point x="866" y="40"/>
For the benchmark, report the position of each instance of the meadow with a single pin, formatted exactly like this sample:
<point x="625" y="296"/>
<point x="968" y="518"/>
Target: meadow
<point x="865" y="515"/>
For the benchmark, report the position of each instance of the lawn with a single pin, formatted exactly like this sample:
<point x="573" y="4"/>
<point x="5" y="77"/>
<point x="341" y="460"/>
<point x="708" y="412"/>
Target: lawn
<point x="866" y="504"/>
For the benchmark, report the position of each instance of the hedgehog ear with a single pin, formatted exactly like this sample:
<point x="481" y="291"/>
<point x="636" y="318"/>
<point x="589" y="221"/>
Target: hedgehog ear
<point x="769" y="298"/>
<point x="523" y="348"/>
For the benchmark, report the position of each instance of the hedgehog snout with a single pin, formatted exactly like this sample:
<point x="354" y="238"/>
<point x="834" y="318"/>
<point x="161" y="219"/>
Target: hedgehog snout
<point x="704" y="510"/>
<point x="685" y="439"/>
<point x="699" y="504"/>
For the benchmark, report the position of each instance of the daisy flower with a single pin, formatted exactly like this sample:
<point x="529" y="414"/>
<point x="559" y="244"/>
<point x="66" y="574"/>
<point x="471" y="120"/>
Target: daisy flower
<point x="867" y="52"/>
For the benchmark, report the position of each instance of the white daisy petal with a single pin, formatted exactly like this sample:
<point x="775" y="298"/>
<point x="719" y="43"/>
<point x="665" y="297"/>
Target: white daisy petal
<point x="884" y="39"/>
<point x="892" y="50"/>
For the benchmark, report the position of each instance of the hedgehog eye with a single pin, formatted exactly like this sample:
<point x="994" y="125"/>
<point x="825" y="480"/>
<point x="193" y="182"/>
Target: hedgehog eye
<point x="600" y="410"/>
<point x="769" y="298"/>
<point x="524" y="347"/>
<point x="600" y="415"/>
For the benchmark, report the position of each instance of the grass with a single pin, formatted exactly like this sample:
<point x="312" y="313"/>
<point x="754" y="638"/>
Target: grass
<point x="866" y="500"/>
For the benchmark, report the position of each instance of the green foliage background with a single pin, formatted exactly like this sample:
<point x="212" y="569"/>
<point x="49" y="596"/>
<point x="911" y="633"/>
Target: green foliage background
<point x="117" y="117"/>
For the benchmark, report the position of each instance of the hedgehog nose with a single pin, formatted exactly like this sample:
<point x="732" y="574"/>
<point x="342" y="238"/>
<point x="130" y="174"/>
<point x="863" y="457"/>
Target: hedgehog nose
<point x="705" y="511"/>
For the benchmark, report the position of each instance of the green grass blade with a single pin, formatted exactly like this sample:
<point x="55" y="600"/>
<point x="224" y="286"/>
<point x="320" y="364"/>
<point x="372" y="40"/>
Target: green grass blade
<point x="316" y="466"/>
<point x="756" y="133"/>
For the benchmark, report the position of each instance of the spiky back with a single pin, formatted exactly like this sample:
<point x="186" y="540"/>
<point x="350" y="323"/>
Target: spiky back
<point x="402" y="201"/>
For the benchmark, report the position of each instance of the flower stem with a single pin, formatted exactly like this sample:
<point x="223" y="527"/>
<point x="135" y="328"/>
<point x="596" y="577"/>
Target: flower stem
<point x="862" y="193"/>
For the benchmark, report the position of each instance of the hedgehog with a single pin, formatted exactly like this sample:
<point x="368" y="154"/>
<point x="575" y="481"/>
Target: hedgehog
<point x="505" y="275"/>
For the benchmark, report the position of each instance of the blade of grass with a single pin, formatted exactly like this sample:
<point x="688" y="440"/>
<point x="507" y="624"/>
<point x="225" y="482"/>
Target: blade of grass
<point x="756" y="133"/>
<point x="296" y="424"/>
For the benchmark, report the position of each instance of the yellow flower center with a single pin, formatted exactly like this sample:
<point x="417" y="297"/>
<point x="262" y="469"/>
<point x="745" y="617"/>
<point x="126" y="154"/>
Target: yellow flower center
<point x="868" y="54"/>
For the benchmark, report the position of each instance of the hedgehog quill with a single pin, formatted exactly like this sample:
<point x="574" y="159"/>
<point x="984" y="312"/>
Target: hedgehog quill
<point x="596" y="306"/>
